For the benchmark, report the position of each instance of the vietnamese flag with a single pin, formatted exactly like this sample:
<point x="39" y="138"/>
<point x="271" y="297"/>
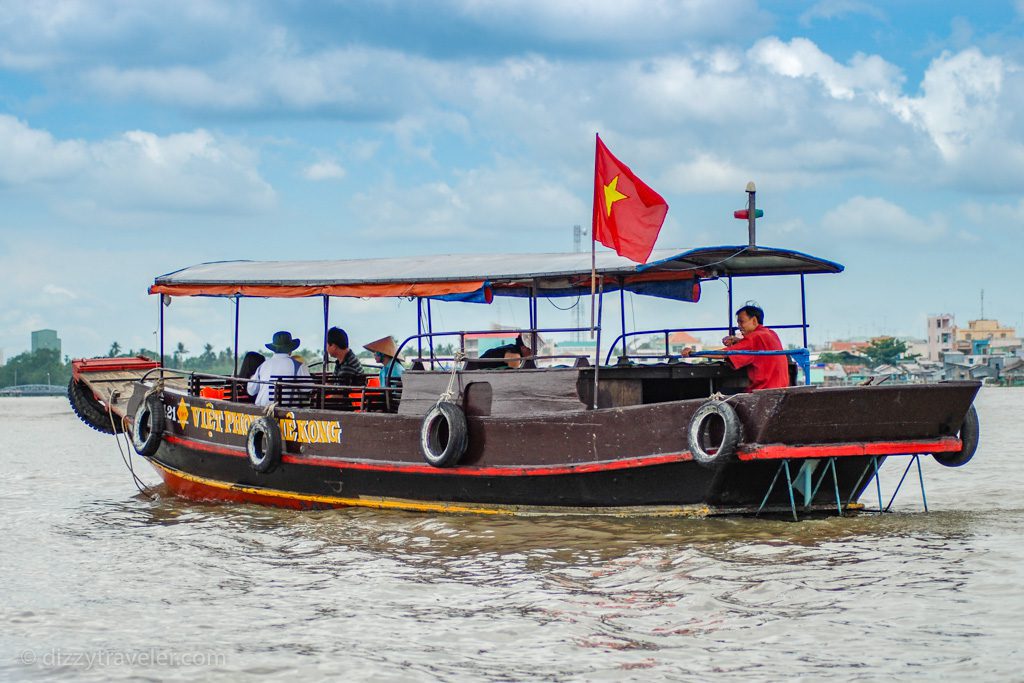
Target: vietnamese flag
<point x="628" y="214"/>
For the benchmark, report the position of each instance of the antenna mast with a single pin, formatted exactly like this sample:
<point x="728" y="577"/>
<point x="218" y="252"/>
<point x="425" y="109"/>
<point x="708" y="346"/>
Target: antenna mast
<point x="579" y="311"/>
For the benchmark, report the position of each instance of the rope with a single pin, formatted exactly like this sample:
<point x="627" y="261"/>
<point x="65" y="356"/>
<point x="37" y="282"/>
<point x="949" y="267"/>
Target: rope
<point x="450" y="394"/>
<point x="126" y="459"/>
<point x="157" y="388"/>
<point x="722" y="398"/>
<point x="269" y="410"/>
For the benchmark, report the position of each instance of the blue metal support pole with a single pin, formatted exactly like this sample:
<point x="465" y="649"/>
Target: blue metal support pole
<point x="803" y="307"/>
<point x="789" y="485"/>
<point x="430" y="331"/>
<point x="622" y="313"/>
<point x="920" y="478"/>
<point x="835" y="480"/>
<point x="237" y="299"/>
<point x="771" y="487"/>
<point x="899" y="485"/>
<point x="878" y="483"/>
<point x="419" y="327"/>
<point x="728" y="316"/>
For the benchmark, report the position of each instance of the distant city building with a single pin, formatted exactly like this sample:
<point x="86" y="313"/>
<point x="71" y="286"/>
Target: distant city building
<point x="984" y="336"/>
<point x="855" y="347"/>
<point x="940" y="335"/>
<point x="677" y="341"/>
<point x="45" y="339"/>
<point x="916" y="348"/>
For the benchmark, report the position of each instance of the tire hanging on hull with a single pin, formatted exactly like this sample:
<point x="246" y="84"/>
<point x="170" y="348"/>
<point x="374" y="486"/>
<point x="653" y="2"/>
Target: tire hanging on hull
<point x="970" y="431"/>
<point x="699" y="434"/>
<point x="89" y="410"/>
<point x="264" y="445"/>
<point x="444" y="435"/>
<point x="148" y="429"/>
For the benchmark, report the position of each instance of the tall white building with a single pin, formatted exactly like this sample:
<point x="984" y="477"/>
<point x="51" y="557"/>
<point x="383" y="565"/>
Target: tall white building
<point x="941" y="336"/>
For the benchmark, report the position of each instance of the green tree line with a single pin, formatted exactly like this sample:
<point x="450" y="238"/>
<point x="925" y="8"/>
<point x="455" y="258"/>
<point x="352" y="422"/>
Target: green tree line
<point x="881" y="351"/>
<point x="45" y="366"/>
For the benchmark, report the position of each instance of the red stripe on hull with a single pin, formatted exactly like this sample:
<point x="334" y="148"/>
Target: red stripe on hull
<point x="768" y="452"/>
<point x="626" y="463"/>
<point x="782" y="451"/>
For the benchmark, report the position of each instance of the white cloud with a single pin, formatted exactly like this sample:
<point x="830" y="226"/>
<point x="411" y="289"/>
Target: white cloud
<point x="181" y="86"/>
<point x="960" y="100"/>
<point x="28" y="155"/>
<point x="877" y="218"/>
<point x="801" y="58"/>
<point x="705" y="173"/>
<point x="60" y="292"/>
<point x="346" y="82"/>
<point x="324" y="170"/>
<point x="500" y="207"/>
<point x="136" y="171"/>
<point x="1002" y="217"/>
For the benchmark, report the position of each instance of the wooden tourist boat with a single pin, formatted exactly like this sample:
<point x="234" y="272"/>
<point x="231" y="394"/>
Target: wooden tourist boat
<point x="637" y="435"/>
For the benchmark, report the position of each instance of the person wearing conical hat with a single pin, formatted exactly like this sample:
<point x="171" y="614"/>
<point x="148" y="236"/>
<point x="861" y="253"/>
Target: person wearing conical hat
<point x="385" y="352"/>
<point x="280" y="365"/>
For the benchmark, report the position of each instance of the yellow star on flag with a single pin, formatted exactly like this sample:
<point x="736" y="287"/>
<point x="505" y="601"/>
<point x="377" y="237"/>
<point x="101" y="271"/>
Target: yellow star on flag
<point x="612" y="194"/>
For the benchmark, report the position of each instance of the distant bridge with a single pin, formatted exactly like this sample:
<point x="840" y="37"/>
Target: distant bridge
<point x="35" y="390"/>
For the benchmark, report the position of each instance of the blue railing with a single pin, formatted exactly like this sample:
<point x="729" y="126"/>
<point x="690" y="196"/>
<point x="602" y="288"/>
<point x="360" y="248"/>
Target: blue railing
<point x="666" y="332"/>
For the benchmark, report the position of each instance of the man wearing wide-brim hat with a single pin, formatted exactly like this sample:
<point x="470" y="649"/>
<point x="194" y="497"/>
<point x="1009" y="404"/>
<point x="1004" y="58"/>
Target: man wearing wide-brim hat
<point x="280" y="365"/>
<point x="385" y="352"/>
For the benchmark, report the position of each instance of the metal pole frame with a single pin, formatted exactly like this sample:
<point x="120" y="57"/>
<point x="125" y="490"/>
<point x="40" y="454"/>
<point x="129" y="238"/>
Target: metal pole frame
<point x="534" y="323"/>
<point x="160" y="303"/>
<point x="789" y="486"/>
<point x="622" y="316"/>
<point x="419" y="328"/>
<point x="803" y="309"/>
<point x="237" y="299"/>
<point x="323" y="366"/>
<point x="597" y="349"/>
<point x="430" y="332"/>
<point x="728" y="317"/>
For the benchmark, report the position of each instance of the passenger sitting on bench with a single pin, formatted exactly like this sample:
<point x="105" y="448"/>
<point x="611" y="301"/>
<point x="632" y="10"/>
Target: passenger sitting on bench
<point x="348" y="372"/>
<point x="512" y="353"/>
<point x="278" y="366"/>
<point x="251" y="362"/>
<point x="386" y="353"/>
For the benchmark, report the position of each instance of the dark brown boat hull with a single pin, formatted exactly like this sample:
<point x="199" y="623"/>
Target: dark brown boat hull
<point x="633" y="456"/>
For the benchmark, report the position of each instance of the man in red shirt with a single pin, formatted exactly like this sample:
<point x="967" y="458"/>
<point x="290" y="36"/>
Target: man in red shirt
<point x="763" y="372"/>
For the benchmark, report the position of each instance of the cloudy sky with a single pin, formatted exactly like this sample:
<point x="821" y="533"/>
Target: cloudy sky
<point x="140" y="137"/>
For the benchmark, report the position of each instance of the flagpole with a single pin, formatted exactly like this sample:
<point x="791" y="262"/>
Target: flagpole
<point x="593" y="244"/>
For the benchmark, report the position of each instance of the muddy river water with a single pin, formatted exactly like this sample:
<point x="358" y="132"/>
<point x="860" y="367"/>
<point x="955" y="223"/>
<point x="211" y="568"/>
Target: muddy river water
<point x="100" y="583"/>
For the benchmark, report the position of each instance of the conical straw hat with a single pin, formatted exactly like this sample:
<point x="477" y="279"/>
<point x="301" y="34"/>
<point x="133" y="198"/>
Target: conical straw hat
<point x="384" y="345"/>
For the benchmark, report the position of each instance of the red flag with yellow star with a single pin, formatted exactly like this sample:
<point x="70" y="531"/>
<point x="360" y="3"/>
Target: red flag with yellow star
<point x="628" y="214"/>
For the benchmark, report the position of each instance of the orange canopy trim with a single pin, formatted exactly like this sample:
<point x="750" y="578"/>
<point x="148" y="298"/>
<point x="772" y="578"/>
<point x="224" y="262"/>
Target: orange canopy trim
<point x="392" y="289"/>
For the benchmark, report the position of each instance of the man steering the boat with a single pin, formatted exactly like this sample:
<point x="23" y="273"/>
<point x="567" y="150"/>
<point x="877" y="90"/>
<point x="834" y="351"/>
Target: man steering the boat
<point x="763" y="372"/>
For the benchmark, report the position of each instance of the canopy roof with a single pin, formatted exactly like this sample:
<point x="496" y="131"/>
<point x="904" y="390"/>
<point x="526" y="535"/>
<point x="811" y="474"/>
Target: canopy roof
<point x="670" y="273"/>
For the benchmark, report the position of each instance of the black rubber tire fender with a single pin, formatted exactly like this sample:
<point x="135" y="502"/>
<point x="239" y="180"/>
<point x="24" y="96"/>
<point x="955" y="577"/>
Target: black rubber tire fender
<point x="444" y="435"/>
<point x="970" y="432"/>
<point x="89" y="410"/>
<point x="264" y="445"/>
<point x="148" y="428"/>
<point x="698" y="433"/>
